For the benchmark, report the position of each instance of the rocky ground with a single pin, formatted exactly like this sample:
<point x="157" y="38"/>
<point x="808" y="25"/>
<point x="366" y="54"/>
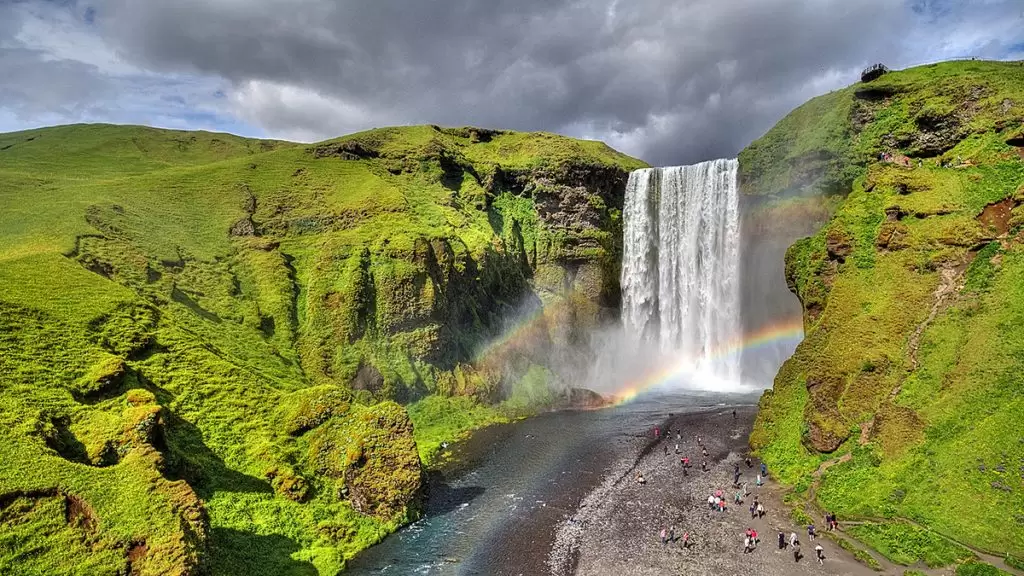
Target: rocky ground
<point x="616" y="528"/>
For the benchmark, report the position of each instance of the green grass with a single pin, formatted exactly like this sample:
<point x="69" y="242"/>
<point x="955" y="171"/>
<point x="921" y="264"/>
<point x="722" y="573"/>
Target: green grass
<point x="447" y="419"/>
<point x="979" y="569"/>
<point x="906" y="545"/>
<point x="943" y="451"/>
<point x="223" y="398"/>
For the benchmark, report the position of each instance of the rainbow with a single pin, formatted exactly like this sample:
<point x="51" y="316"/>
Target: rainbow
<point x="678" y="368"/>
<point x="514" y="334"/>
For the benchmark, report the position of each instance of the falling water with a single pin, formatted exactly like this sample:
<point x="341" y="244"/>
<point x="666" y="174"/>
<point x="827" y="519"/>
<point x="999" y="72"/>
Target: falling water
<point x="680" y="268"/>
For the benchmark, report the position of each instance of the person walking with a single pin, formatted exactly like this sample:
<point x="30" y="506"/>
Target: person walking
<point x="746" y="545"/>
<point x="792" y="540"/>
<point x="820" y="553"/>
<point x="672" y="534"/>
<point x="760" y="511"/>
<point x="810" y="532"/>
<point x="764" y="469"/>
<point x="686" y="540"/>
<point x="664" y="536"/>
<point x="782" y="540"/>
<point x="759" y="482"/>
<point x="753" y="510"/>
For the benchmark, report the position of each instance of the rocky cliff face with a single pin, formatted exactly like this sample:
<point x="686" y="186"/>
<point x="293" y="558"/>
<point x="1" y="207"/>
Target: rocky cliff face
<point x="900" y="404"/>
<point x="203" y="338"/>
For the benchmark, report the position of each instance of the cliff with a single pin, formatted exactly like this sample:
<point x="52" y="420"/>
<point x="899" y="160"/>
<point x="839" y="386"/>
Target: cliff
<point x="207" y="342"/>
<point x="901" y="407"/>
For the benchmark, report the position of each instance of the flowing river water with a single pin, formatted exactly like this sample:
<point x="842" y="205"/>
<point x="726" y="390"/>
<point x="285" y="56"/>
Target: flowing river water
<point x="495" y="513"/>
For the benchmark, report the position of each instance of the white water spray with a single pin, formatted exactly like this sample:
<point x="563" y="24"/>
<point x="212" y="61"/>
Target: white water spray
<point x="681" y="263"/>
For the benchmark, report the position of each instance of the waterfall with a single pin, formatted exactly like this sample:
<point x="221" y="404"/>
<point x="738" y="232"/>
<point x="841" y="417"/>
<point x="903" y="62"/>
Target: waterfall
<point x="681" y="262"/>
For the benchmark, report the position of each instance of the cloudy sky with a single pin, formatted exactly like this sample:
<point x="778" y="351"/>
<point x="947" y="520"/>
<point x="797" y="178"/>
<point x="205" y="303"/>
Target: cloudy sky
<point x="671" y="81"/>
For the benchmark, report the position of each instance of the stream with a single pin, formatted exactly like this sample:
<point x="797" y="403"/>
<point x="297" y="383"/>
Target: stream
<point x="494" y="512"/>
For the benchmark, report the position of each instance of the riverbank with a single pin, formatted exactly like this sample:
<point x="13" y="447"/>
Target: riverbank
<point x="615" y="529"/>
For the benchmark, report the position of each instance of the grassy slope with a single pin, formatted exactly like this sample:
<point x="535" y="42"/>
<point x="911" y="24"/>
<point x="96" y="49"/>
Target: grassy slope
<point x="154" y="366"/>
<point x="937" y="442"/>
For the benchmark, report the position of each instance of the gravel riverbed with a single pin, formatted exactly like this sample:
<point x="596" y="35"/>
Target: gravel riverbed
<point x="616" y="528"/>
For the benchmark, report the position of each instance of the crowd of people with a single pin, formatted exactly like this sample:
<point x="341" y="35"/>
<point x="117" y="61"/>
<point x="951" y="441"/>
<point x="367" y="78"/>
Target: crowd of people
<point x="718" y="502"/>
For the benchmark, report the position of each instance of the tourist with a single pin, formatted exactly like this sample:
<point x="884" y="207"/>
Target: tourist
<point x="753" y="510"/>
<point x="797" y="554"/>
<point x="792" y="539"/>
<point x="736" y="478"/>
<point x="664" y="536"/>
<point x="820" y="553"/>
<point x="759" y="482"/>
<point x="666" y="449"/>
<point x="738" y="499"/>
<point x="782" y="540"/>
<point x="749" y="463"/>
<point x="760" y="511"/>
<point x="686" y="540"/>
<point x="672" y="534"/>
<point x="657" y="432"/>
<point x="753" y="536"/>
<point x="746" y="545"/>
<point x="704" y="465"/>
<point x="704" y="451"/>
<point x="733" y="414"/>
<point x="764" y="469"/>
<point x="810" y="532"/>
<point x="678" y="436"/>
<point x="677" y="448"/>
<point x="711" y="501"/>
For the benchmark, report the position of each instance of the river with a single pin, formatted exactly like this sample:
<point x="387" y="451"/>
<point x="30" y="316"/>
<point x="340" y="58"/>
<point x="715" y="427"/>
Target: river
<point x="494" y="514"/>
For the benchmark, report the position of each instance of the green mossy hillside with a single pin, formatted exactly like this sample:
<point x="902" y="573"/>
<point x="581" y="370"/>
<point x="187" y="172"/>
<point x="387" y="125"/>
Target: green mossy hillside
<point x="902" y="406"/>
<point x="206" y="341"/>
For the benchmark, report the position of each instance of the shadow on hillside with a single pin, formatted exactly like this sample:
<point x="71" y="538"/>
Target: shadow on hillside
<point x="237" y="552"/>
<point x="191" y="460"/>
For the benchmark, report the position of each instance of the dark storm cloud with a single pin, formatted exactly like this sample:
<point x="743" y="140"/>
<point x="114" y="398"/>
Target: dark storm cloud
<point x="668" y="80"/>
